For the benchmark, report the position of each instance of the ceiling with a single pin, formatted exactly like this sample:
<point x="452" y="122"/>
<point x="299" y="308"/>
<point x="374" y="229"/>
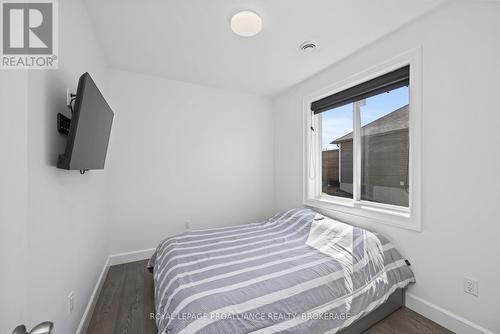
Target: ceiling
<point x="190" y="40"/>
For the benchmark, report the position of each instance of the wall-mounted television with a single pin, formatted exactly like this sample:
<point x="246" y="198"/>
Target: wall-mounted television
<point x="89" y="129"/>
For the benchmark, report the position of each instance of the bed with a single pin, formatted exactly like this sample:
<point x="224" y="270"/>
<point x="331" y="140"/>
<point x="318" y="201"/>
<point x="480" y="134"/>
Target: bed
<point x="296" y="272"/>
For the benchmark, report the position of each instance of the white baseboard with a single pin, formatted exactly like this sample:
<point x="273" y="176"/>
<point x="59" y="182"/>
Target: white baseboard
<point x="87" y="315"/>
<point x="130" y="256"/>
<point x="443" y="317"/>
<point x="110" y="261"/>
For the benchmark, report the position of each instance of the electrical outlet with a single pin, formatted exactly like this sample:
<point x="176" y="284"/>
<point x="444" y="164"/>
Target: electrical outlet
<point x="187" y="225"/>
<point x="71" y="302"/>
<point x="471" y="286"/>
<point x="68" y="97"/>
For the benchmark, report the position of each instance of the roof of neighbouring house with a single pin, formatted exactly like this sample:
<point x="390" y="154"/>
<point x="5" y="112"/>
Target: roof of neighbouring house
<point x="396" y="120"/>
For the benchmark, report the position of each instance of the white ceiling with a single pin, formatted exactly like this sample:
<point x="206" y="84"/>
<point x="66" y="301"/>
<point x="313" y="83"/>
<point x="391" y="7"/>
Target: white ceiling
<point x="190" y="40"/>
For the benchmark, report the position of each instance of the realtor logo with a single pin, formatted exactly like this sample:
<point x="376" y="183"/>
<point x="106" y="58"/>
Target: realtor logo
<point x="29" y="34"/>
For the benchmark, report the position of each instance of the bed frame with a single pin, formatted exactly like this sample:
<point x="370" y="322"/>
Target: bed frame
<point x="393" y="303"/>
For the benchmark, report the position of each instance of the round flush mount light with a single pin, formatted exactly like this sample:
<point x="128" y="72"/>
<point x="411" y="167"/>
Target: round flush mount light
<point x="308" y="46"/>
<point x="246" y="23"/>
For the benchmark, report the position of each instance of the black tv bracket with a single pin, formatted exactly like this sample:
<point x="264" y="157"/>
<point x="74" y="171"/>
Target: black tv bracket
<point x="63" y="122"/>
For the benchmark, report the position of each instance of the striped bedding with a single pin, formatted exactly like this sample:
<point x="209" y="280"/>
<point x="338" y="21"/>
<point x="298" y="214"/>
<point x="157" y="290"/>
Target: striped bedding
<point x="297" y="272"/>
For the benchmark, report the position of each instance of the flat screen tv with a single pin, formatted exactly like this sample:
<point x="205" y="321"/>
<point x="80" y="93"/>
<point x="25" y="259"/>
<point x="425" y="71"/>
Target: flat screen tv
<point x="89" y="129"/>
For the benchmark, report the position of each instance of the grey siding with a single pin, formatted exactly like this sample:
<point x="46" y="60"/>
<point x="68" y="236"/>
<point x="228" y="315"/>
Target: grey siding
<point x="384" y="166"/>
<point x="330" y="167"/>
<point x="346" y="162"/>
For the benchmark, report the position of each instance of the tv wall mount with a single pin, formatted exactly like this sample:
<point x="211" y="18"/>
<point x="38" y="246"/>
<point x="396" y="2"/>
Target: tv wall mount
<point x="63" y="122"/>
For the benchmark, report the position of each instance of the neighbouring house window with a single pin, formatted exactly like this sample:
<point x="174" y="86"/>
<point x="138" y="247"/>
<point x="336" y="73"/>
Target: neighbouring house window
<point x="359" y="149"/>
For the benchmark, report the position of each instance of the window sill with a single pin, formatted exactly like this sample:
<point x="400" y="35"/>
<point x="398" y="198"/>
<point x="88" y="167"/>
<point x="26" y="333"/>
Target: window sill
<point x="381" y="213"/>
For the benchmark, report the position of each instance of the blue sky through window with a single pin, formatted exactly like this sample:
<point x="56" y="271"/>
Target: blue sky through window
<point x="339" y="121"/>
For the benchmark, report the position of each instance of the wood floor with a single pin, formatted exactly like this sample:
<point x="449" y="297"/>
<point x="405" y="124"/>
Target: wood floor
<point x="406" y="321"/>
<point x="126" y="302"/>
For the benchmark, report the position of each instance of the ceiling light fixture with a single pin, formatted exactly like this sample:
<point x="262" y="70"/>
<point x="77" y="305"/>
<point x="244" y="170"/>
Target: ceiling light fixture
<point x="246" y="23"/>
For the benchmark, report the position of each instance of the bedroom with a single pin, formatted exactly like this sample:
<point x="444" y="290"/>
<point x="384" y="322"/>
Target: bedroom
<point x="212" y="129"/>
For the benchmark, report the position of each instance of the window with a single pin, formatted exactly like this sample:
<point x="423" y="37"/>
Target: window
<point x="384" y="142"/>
<point x="336" y="157"/>
<point x="361" y="141"/>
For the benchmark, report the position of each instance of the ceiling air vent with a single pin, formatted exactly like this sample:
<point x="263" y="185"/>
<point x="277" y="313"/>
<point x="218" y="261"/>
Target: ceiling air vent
<point x="307" y="46"/>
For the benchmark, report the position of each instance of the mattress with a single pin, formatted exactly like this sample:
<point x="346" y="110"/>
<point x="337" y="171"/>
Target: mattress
<point x="296" y="272"/>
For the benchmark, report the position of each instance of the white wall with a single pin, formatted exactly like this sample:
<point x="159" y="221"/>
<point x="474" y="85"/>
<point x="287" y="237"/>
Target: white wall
<point x="461" y="60"/>
<point x="13" y="198"/>
<point x="61" y="215"/>
<point x="181" y="152"/>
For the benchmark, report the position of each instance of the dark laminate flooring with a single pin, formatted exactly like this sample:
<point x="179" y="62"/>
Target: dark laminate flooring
<point x="126" y="302"/>
<point x="406" y="321"/>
